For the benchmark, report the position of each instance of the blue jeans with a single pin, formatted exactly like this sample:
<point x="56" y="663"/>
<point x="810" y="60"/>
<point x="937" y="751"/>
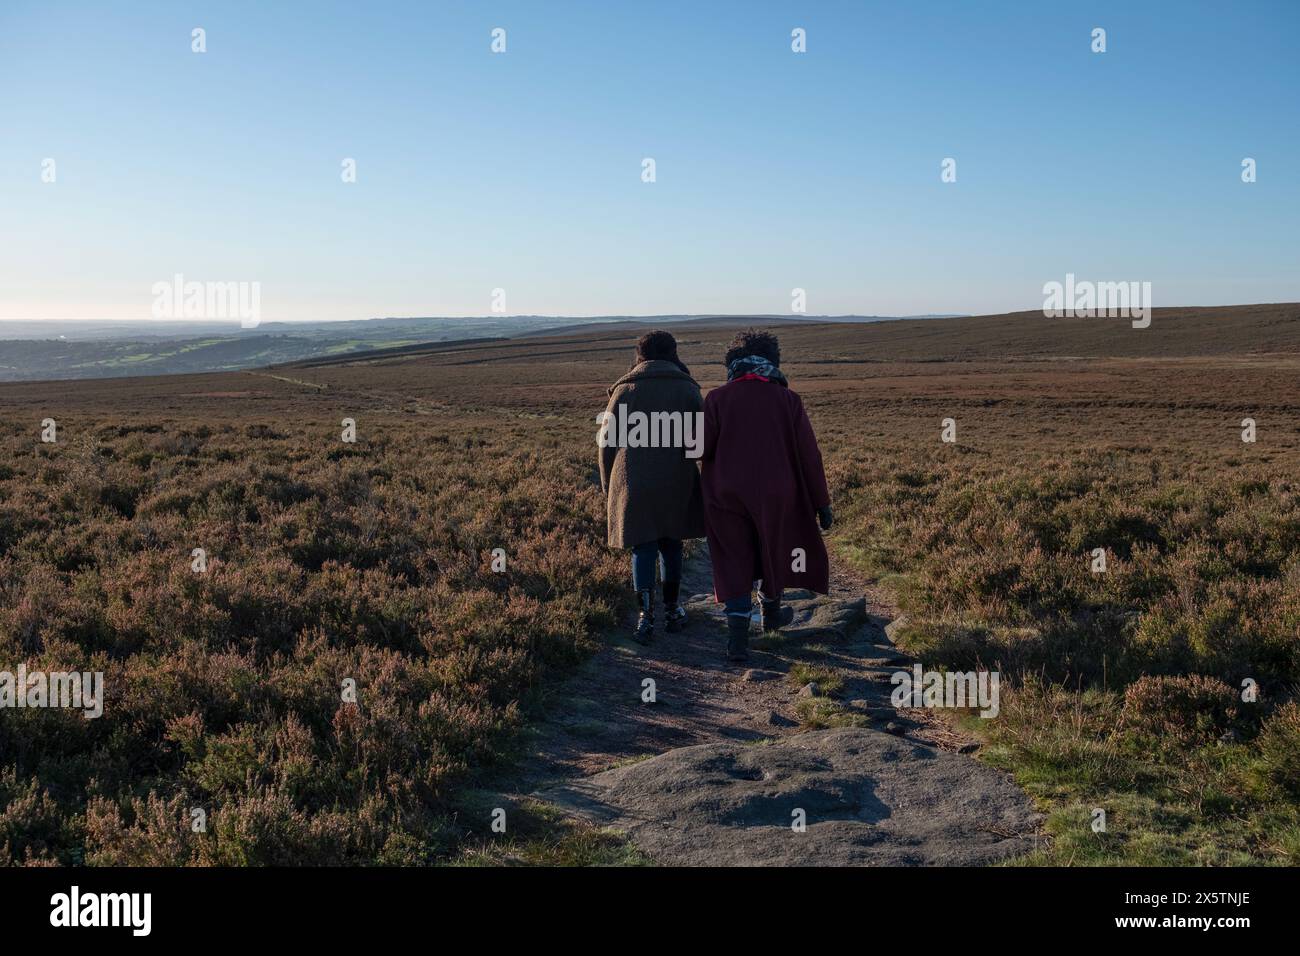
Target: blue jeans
<point x="669" y="553"/>
<point x="741" y="606"/>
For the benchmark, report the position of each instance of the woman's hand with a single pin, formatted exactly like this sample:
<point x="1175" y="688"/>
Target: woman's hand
<point x="825" y="518"/>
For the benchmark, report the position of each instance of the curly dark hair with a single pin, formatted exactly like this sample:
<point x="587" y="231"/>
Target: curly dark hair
<point x="754" y="342"/>
<point x="659" y="345"/>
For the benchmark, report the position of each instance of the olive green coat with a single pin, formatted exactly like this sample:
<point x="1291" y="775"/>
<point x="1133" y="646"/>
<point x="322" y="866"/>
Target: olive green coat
<point x="652" y="493"/>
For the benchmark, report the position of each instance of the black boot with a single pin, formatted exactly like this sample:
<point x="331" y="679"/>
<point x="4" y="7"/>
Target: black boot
<point x="737" y="638"/>
<point x="645" y="622"/>
<point x="775" y="616"/>
<point x="674" y="613"/>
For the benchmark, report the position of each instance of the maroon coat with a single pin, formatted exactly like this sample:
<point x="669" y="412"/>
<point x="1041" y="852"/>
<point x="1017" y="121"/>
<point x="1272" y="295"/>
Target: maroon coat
<point x="763" y="483"/>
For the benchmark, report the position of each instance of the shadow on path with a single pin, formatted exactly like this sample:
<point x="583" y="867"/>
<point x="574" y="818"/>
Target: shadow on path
<point x="700" y="761"/>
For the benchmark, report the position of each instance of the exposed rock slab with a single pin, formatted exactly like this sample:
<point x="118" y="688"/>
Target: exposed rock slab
<point x="869" y="798"/>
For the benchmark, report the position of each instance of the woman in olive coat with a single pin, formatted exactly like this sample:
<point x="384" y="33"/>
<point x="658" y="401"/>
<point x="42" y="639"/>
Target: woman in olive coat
<point x="650" y="439"/>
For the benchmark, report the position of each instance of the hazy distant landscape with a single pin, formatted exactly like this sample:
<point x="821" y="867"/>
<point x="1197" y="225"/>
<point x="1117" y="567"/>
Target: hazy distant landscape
<point x="32" y="351"/>
<point x="35" y="351"/>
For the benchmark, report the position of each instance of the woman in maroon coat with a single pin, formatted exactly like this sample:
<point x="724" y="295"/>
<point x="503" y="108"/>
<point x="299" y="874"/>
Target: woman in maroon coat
<point x="764" y="490"/>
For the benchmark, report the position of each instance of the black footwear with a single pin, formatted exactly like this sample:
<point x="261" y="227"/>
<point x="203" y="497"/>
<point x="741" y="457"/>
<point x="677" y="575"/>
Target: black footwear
<point x="775" y="616"/>
<point x="737" y="638"/>
<point x="674" y="613"/>
<point x="645" y="622"/>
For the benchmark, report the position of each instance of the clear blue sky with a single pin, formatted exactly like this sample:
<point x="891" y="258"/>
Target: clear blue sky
<point x="523" y="171"/>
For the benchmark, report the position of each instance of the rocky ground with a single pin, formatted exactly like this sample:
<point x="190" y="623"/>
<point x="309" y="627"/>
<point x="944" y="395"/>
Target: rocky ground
<point x="795" y="758"/>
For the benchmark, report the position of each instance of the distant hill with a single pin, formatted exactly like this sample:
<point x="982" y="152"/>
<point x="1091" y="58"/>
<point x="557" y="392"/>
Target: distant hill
<point x="37" y="351"/>
<point x="1241" y="330"/>
<point x="1174" y="332"/>
<point x="34" y="351"/>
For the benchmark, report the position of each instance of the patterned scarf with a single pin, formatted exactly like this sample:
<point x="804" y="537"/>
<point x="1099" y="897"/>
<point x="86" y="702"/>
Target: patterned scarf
<point x="757" y="367"/>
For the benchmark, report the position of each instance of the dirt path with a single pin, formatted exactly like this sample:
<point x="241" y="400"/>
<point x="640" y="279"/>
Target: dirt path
<point x="678" y="770"/>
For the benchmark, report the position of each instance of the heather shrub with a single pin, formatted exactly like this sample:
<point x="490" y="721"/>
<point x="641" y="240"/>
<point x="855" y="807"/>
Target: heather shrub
<point x="326" y="563"/>
<point x="1276" y="770"/>
<point x="1201" y="574"/>
<point x="1122" y="687"/>
<point x="1179" y="711"/>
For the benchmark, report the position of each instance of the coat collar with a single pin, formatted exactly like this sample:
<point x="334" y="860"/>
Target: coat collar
<point x="656" y="368"/>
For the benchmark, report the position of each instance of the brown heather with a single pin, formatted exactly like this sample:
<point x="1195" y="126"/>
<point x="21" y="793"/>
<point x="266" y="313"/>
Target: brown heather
<point x="372" y="561"/>
<point x="326" y="561"/>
